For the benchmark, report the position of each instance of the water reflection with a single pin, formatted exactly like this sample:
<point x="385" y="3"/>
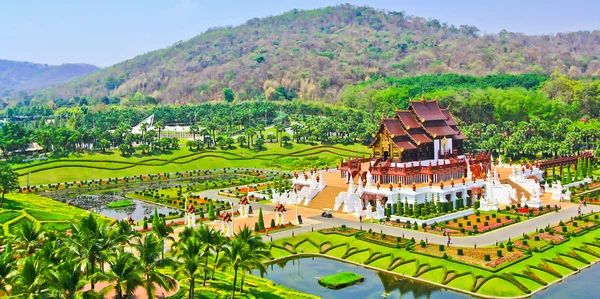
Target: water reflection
<point x="302" y="274"/>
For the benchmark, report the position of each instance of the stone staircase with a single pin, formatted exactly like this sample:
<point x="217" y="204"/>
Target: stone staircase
<point x="325" y="198"/>
<point x="520" y="190"/>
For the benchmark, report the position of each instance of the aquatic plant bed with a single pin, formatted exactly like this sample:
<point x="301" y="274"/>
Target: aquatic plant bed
<point x="340" y="230"/>
<point x="482" y="223"/>
<point x="487" y="257"/>
<point x="120" y="204"/>
<point x="340" y="280"/>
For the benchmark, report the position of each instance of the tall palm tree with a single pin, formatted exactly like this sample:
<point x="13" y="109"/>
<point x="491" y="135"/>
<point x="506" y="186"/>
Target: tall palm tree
<point x="28" y="236"/>
<point x="148" y="249"/>
<point x="233" y="256"/>
<point x="209" y="238"/>
<point x="86" y="243"/>
<point x="162" y="231"/>
<point x="125" y="274"/>
<point x="65" y="280"/>
<point x="190" y="254"/>
<point x="7" y="264"/>
<point x="31" y="278"/>
<point x="258" y="251"/>
<point x="219" y="243"/>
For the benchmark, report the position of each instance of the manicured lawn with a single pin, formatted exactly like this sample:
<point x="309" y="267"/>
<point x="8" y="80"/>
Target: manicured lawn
<point x="516" y="279"/>
<point x="96" y="165"/>
<point x="42" y="211"/>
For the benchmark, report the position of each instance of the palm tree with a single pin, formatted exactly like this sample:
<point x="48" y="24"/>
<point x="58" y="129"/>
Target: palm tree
<point x="162" y="231"/>
<point x="233" y="256"/>
<point x="125" y="274"/>
<point x="209" y="238"/>
<point x="9" y="180"/>
<point x="159" y="125"/>
<point x="31" y="278"/>
<point x="258" y="251"/>
<point x="7" y="264"/>
<point x="220" y="242"/>
<point x="86" y="243"/>
<point x="28" y="236"/>
<point x="66" y="280"/>
<point x="190" y="253"/>
<point x="149" y="248"/>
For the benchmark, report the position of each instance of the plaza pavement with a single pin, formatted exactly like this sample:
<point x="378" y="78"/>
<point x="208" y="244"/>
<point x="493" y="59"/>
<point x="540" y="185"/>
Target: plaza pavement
<point x="312" y="220"/>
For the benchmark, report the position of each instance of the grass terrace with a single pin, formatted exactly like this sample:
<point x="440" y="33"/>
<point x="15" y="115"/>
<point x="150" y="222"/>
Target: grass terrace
<point x="508" y="270"/>
<point x="98" y="165"/>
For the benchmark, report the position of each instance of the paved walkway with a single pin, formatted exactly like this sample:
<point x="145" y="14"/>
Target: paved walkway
<point x="313" y="221"/>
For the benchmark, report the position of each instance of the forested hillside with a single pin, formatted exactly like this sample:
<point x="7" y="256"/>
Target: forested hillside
<point x="27" y="76"/>
<point x="315" y="54"/>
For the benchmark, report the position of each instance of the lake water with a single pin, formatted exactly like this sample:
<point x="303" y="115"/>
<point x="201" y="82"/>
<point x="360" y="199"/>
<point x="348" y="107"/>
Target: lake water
<point x="97" y="202"/>
<point x="582" y="285"/>
<point x="302" y="273"/>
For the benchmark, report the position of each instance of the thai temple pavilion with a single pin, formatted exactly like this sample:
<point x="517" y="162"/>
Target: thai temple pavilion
<point x="419" y="145"/>
<point x="423" y="132"/>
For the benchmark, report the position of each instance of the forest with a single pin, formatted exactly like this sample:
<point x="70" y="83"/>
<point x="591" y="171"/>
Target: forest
<point x="515" y="115"/>
<point x="316" y="54"/>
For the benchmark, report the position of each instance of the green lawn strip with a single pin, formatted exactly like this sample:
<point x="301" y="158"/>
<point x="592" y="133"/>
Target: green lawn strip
<point x="500" y="287"/>
<point x="43" y="215"/>
<point x="434" y="274"/>
<point x="8" y="215"/>
<point x="98" y="166"/>
<point x="463" y="282"/>
<point x="340" y="280"/>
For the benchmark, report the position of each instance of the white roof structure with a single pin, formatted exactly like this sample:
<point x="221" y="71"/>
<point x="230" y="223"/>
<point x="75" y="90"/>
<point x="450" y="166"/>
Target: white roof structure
<point x="149" y="120"/>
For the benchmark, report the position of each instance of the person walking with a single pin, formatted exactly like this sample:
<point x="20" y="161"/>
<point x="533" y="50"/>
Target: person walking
<point x="360" y="218"/>
<point x="448" y="241"/>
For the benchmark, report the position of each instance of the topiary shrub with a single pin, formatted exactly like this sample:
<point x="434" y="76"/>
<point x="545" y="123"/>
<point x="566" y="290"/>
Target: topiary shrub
<point x="272" y="223"/>
<point x="445" y="256"/>
<point x="564" y="229"/>
<point x="459" y="251"/>
<point x="537" y="238"/>
<point x="441" y="247"/>
<point x="486" y="257"/>
<point x="499" y="253"/>
<point x="509" y="248"/>
<point x="501" y="245"/>
<point x="422" y="243"/>
<point x="525" y="242"/>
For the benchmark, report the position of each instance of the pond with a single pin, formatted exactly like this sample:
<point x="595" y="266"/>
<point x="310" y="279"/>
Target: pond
<point x="582" y="285"/>
<point x="302" y="273"/>
<point x="97" y="202"/>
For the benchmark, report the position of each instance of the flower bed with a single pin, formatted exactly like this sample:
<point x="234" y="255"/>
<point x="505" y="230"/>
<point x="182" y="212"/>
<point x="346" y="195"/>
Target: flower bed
<point x="382" y="239"/>
<point x="275" y="229"/>
<point x="436" y="230"/>
<point x="574" y="226"/>
<point x="342" y="230"/>
<point x="470" y="223"/>
<point x="472" y="256"/>
<point x="545" y="239"/>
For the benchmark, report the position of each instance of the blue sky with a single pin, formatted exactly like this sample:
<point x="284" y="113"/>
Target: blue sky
<point x="110" y="31"/>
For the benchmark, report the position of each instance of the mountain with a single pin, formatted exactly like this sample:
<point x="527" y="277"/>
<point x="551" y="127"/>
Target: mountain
<point x="27" y="76"/>
<point x="314" y="54"/>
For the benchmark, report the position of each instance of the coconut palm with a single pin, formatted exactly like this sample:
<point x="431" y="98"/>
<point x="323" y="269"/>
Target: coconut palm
<point x="86" y="242"/>
<point x="258" y="251"/>
<point x="233" y="256"/>
<point x="190" y="253"/>
<point x="149" y="248"/>
<point x="28" y="236"/>
<point x="219" y="243"/>
<point x="7" y="264"/>
<point x="65" y="280"/>
<point x="31" y="280"/>
<point x="209" y="238"/>
<point x="125" y="274"/>
<point x="162" y="231"/>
